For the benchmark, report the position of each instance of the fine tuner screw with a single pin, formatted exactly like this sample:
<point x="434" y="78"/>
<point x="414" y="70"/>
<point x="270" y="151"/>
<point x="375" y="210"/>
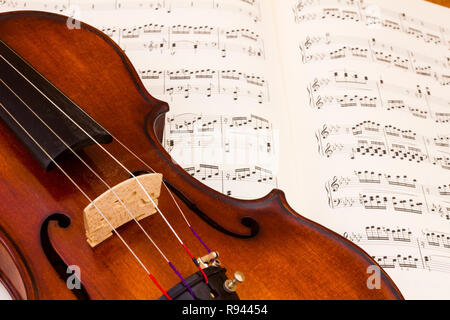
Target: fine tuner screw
<point x="230" y="285"/>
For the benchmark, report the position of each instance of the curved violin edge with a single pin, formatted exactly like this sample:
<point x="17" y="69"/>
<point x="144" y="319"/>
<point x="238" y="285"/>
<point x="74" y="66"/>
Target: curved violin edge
<point x="279" y="195"/>
<point x="15" y="274"/>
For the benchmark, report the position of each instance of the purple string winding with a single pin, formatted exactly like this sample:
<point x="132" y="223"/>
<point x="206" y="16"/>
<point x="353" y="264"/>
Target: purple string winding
<point x="182" y="279"/>
<point x="199" y="239"/>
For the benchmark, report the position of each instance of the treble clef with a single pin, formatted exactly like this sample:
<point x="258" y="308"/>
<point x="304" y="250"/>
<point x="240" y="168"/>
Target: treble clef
<point x="318" y="103"/>
<point x="325" y="132"/>
<point x="308" y="43"/>
<point x="335" y="185"/>
<point x="316" y="85"/>
<point x="329" y="150"/>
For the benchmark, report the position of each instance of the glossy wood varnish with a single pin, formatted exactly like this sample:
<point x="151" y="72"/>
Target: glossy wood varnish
<point x="290" y="258"/>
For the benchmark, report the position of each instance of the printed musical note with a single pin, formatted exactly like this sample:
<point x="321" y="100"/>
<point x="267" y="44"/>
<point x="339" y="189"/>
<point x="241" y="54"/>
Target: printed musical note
<point x="358" y="12"/>
<point x="259" y="181"/>
<point x="375" y="140"/>
<point x="335" y="47"/>
<point x="247" y="8"/>
<point x="187" y="83"/>
<point x="177" y="39"/>
<point x="361" y="92"/>
<point x="424" y="250"/>
<point x="225" y="141"/>
<point x="386" y="192"/>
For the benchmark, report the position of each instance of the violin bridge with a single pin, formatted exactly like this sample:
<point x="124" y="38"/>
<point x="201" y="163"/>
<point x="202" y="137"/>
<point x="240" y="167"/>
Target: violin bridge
<point x="132" y="197"/>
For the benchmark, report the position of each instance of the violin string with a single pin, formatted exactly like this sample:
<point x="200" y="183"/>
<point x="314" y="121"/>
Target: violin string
<point x="165" y="185"/>
<point x="128" y="150"/>
<point x="105" y="183"/>
<point x="90" y="200"/>
<point x="115" y="160"/>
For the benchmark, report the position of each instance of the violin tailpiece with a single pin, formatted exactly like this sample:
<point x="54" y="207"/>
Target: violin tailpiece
<point x="133" y="198"/>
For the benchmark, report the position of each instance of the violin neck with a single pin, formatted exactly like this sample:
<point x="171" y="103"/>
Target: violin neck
<point x="34" y="105"/>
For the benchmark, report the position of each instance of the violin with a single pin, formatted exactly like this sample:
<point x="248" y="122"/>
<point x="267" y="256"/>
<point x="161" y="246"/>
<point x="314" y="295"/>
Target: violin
<point x="93" y="207"/>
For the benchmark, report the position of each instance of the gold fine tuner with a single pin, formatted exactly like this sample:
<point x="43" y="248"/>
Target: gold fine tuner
<point x="230" y="285"/>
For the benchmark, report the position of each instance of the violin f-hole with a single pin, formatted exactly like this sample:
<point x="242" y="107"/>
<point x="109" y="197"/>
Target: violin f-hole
<point x="58" y="264"/>
<point x="248" y="222"/>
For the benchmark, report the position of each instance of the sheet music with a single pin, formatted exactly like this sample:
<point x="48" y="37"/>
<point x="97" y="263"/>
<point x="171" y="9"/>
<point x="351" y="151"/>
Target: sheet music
<point x="368" y="84"/>
<point x="215" y="62"/>
<point x="426" y="250"/>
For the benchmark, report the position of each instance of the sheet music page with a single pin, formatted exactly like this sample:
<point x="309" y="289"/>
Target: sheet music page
<point x="368" y="90"/>
<point x="215" y="62"/>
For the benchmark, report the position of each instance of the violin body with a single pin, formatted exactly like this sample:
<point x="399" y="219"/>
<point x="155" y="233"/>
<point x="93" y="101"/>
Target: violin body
<point x="282" y="254"/>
